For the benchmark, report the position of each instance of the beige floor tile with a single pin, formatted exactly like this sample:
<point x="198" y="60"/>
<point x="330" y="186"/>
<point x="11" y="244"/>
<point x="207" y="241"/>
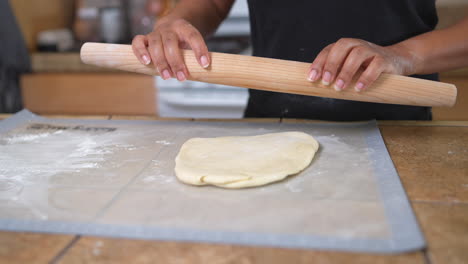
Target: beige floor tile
<point x="431" y="161"/>
<point x="446" y="229"/>
<point x="100" y="250"/>
<point x="30" y="247"/>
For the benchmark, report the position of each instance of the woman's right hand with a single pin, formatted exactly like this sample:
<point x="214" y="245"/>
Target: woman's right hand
<point x="163" y="47"/>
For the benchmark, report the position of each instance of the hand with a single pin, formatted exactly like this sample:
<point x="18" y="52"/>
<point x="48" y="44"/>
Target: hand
<point x="353" y="59"/>
<point x="155" y="7"/>
<point x="163" y="47"/>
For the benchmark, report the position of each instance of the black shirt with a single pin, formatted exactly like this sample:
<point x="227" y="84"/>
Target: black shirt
<point x="299" y="29"/>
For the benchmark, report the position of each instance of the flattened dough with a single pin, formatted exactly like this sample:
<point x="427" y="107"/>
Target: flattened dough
<point x="240" y="162"/>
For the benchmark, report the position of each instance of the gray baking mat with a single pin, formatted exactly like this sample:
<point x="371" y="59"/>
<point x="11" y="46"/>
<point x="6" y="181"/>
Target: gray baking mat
<point x="116" y="178"/>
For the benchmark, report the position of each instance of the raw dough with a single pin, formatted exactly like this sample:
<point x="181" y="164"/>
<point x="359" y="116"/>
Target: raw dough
<point x="239" y="162"/>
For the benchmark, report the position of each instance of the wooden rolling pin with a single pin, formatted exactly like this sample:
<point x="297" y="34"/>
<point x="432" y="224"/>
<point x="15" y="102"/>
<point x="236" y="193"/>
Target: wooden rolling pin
<point x="278" y="76"/>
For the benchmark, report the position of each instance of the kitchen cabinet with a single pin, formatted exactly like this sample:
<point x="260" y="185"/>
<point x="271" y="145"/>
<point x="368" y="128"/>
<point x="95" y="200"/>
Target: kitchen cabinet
<point x="89" y="93"/>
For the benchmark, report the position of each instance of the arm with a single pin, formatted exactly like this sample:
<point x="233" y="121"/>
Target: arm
<point x="204" y="15"/>
<point x="439" y="50"/>
<point x="185" y="25"/>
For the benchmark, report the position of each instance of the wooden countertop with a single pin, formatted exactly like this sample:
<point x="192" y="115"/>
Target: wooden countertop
<point x="431" y="159"/>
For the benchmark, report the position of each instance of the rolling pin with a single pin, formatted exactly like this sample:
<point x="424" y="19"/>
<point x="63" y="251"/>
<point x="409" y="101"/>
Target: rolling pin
<point x="278" y="76"/>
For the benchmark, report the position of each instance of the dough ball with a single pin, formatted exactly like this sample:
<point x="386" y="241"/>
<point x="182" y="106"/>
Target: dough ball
<point x="240" y="162"/>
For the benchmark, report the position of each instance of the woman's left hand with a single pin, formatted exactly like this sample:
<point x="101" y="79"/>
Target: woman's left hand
<point x="353" y="59"/>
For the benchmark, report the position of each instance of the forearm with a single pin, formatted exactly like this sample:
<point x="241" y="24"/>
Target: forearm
<point x="439" y="50"/>
<point x="204" y="15"/>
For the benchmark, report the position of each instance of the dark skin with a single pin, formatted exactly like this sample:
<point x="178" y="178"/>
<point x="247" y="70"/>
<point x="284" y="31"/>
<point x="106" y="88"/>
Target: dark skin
<point x="337" y="64"/>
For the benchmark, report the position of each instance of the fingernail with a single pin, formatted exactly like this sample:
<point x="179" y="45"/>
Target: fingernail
<point x="146" y="60"/>
<point x="312" y="75"/>
<point x="181" y="76"/>
<point x="339" y="85"/>
<point x="204" y="61"/>
<point x="166" y="75"/>
<point x="326" y="78"/>
<point x="359" y="87"/>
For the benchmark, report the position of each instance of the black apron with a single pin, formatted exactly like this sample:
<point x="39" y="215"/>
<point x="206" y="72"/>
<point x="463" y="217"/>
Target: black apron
<point x="299" y="29"/>
<point x="14" y="60"/>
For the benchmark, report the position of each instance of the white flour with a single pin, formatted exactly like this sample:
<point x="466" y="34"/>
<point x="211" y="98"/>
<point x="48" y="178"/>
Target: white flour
<point x="60" y="152"/>
<point x="164" y="142"/>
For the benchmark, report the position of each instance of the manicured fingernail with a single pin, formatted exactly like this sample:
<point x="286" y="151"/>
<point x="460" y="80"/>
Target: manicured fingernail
<point x="339" y="85"/>
<point x="166" y="75"/>
<point x="312" y="76"/>
<point x="204" y="61"/>
<point x="146" y="59"/>
<point x="326" y="78"/>
<point x="359" y="87"/>
<point x="181" y="76"/>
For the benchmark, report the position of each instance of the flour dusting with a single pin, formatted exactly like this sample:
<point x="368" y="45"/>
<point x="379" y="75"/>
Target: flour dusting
<point x="97" y="248"/>
<point x="164" y="142"/>
<point x="32" y="156"/>
<point x="294" y="186"/>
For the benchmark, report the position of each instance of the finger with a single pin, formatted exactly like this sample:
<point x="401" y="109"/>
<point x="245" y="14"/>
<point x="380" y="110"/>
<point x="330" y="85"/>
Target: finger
<point x="353" y="62"/>
<point x="316" y="69"/>
<point x="157" y="55"/>
<point x="174" y="55"/>
<point x="139" y="47"/>
<point x="192" y="36"/>
<point x="368" y="77"/>
<point x="336" y="58"/>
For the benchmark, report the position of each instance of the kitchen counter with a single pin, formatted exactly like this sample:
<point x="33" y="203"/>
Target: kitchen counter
<point x="430" y="157"/>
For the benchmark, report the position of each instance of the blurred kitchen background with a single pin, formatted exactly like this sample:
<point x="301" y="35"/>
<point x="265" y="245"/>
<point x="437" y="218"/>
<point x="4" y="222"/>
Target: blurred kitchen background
<point x="58" y="83"/>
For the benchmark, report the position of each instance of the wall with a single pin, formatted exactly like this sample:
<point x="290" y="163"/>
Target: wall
<point x="34" y="16"/>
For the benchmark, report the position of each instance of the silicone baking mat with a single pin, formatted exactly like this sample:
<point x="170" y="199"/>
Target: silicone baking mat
<point x="116" y="178"/>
